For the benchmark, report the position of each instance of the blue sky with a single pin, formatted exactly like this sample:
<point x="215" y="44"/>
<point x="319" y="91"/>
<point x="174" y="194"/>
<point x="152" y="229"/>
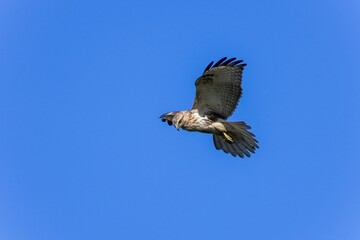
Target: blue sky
<point x="83" y="154"/>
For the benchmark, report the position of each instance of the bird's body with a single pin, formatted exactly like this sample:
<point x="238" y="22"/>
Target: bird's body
<point x="190" y="120"/>
<point x="218" y="91"/>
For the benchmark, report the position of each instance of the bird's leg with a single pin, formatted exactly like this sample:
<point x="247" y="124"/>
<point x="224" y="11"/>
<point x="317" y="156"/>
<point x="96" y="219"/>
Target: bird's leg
<point x="227" y="138"/>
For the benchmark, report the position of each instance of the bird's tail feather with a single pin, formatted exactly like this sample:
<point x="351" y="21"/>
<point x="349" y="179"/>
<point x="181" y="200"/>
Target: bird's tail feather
<point x="241" y="141"/>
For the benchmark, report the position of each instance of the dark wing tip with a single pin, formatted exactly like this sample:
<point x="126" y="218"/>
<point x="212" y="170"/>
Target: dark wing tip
<point x="238" y="63"/>
<point x="208" y="66"/>
<point x="219" y="62"/>
<point x="229" y="62"/>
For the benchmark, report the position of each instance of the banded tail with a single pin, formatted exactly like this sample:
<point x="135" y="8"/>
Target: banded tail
<point x="237" y="140"/>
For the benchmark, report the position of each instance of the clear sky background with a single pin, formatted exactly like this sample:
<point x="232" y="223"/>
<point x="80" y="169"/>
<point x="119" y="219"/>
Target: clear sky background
<point x="84" y="155"/>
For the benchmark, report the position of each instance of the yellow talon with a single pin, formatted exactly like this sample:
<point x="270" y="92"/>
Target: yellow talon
<point x="228" y="138"/>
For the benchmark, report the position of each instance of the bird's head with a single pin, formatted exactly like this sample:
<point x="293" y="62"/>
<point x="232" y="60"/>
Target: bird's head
<point x="177" y="120"/>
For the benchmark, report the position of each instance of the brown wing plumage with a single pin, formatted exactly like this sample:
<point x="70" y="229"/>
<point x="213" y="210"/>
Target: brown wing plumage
<point x="218" y="90"/>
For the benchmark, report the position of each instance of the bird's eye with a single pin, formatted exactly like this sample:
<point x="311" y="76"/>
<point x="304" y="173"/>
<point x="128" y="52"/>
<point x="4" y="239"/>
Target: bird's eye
<point x="169" y="122"/>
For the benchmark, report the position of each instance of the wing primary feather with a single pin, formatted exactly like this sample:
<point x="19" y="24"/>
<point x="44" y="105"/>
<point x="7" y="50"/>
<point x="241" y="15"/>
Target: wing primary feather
<point x="228" y="61"/>
<point x="236" y="62"/>
<point x="219" y="62"/>
<point x="209" y="66"/>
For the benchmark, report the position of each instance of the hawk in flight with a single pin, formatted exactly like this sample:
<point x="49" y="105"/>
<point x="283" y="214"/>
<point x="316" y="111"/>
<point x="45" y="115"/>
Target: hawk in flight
<point x="218" y="91"/>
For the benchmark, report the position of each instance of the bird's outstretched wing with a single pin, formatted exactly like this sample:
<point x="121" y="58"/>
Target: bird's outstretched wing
<point x="218" y="90"/>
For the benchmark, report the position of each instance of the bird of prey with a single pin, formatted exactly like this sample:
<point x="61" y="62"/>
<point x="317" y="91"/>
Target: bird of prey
<point x="218" y="91"/>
